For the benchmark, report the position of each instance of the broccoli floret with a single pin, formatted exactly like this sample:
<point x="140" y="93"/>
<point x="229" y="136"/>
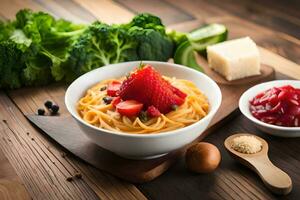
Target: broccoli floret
<point x="37" y="70"/>
<point x="103" y="44"/>
<point x="152" y="45"/>
<point x="153" y="42"/>
<point x="147" y="21"/>
<point x="6" y="29"/>
<point x="37" y="49"/>
<point x="100" y="45"/>
<point x="11" y="65"/>
<point x="21" y="63"/>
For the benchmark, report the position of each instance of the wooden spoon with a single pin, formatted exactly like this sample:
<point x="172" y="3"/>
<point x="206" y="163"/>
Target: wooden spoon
<point x="274" y="178"/>
<point x="265" y="70"/>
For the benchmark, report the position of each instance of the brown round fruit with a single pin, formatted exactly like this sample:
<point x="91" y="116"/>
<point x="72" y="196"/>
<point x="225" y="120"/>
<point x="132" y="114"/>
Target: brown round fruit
<point x="202" y="157"/>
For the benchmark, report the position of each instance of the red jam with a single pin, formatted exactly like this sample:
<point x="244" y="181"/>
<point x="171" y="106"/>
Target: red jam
<point x="278" y="105"/>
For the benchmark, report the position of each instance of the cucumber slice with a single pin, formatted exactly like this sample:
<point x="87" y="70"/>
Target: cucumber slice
<point x="207" y="35"/>
<point x="198" y="40"/>
<point x="206" y="31"/>
<point x="185" y="55"/>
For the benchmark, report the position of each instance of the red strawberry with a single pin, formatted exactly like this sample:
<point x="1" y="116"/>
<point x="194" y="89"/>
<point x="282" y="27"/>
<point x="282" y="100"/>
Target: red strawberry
<point x="153" y="112"/>
<point x="129" y="108"/>
<point x="178" y="92"/>
<point x="113" y="88"/>
<point x="147" y="86"/>
<point x="115" y="101"/>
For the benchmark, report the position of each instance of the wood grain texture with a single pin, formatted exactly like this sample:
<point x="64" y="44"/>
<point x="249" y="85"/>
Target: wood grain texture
<point x="107" y="11"/>
<point x="43" y="173"/>
<point x="28" y="101"/>
<point x="11" y="186"/>
<point x="169" y="13"/>
<point x="9" y="8"/>
<point x="282" y="16"/>
<point x="72" y="7"/>
<point x="66" y="12"/>
<point x="75" y="140"/>
<point x="279" y="16"/>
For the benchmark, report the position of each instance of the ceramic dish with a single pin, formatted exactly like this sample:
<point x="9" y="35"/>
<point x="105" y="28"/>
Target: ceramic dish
<point x="268" y="128"/>
<point x="143" y="146"/>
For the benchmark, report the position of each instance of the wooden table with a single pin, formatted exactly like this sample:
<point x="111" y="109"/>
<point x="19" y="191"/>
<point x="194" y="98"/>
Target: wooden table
<point x="34" y="166"/>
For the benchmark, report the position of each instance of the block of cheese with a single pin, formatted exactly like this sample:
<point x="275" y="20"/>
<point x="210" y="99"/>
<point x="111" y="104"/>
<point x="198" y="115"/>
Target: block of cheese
<point x="234" y="59"/>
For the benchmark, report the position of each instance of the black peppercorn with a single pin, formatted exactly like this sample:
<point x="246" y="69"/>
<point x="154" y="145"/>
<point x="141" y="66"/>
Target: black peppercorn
<point x="107" y="100"/>
<point x="54" y="109"/>
<point x="41" y="111"/>
<point x="48" y="104"/>
<point x="103" y="88"/>
<point x="174" y="107"/>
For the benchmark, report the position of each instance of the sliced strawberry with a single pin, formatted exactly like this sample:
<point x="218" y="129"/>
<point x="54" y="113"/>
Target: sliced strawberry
<point x="115" y="101"/>
<point x="129" y="108"/>
<point x="147" y="86"/>
<point x="153" y="112"/>
<point x="178" y="92"/>
<point x="113" y="88"/>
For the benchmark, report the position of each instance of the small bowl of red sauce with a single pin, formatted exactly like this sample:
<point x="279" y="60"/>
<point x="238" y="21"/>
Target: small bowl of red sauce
<point x="274" y="107"/>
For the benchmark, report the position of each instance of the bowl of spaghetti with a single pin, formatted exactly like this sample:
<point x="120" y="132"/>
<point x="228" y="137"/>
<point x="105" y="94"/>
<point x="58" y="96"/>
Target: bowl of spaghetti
<point x="143" y="111"/>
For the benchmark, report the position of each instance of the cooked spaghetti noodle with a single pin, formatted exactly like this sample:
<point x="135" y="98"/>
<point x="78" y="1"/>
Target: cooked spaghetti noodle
<point x="94" y="111"/>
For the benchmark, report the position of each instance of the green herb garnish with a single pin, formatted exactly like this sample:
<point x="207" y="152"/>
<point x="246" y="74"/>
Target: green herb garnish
<point x="143" y="116"/>
<point x="174" y="107"/>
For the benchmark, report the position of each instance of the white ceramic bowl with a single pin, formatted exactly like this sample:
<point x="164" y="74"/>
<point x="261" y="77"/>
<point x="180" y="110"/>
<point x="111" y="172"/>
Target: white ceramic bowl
<point x="143" y="146"/>
<point x="268" y="128"/>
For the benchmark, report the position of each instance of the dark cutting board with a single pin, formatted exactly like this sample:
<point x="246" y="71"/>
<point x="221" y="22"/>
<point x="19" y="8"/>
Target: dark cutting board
<point x="65" y="131"/>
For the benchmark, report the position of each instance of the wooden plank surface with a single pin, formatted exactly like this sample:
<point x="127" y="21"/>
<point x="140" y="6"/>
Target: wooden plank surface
<point x="43" y="172"/>
<point x="11" y="186"/>
<point x="43" y="166"/>
<point x="282" y="14"/>
<point x="106" y="10"/>
<point x="167" y="11"/>
<point x="28" y="101"/>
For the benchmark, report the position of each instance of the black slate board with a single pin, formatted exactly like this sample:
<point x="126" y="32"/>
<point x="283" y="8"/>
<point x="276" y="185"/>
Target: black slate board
<point x="65" y="131"/>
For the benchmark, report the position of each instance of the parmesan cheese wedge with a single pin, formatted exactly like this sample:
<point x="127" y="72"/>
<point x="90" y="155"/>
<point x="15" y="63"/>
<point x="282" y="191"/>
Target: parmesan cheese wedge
<point x="234" y="59"/>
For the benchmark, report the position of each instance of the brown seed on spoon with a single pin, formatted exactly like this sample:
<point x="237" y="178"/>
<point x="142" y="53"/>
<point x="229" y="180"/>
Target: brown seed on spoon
<point x="274" y="178"/>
